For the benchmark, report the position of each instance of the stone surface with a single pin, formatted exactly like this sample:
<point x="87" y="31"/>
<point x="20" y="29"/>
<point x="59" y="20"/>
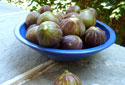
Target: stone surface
<point x="15" y="57"/>
<point x="104" y="68"/>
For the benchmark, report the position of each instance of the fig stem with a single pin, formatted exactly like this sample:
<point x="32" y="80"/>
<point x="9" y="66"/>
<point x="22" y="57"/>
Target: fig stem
<point x="66" y="71"/>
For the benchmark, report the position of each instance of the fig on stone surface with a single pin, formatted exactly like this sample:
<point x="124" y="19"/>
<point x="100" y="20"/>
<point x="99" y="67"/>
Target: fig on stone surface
<point x="75" y="8"/>
<point x="32" y="18"/>
<point x="49" y="34"/>
<point x="72" y="14"/>
<point x="59" y="15"/>
<point x="67" y="78"/>
<point x="88" y="18"/>
<point x="47" y="16"/>
<point x="72" y="26"/>
<point x="44" y="9"/>
<point x="71" y="42"/>
<point x="94" y="36"/>
<point x="31" y="34"/>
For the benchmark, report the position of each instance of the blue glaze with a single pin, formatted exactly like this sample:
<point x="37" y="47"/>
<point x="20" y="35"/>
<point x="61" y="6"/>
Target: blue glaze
<point x="67" y="55"/>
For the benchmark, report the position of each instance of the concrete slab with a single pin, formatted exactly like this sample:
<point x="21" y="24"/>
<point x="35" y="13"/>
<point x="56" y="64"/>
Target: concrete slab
<point x="104" y="68"/>
<point x="15" y="57"/>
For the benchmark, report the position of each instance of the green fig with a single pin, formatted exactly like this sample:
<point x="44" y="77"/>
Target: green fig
<point x="31" y="34"/>
<point x="94" y="36"/>
<point x="71" y="42"/>
<point x="75" y="8"/>
<point x="47" y="16"/>
<point x="49" y="34"/>
<point x="67" y="78"/>
<point x="44" y="9"/>
<point x="93" y="11"/>
<point x="59" y="15"/>
<point x="32" y="18"/>
<point x="72" y="26"/>
<point x="87" y="18"/>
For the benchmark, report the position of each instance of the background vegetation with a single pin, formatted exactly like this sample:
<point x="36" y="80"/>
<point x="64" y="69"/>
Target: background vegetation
<point x="111" y="12"/>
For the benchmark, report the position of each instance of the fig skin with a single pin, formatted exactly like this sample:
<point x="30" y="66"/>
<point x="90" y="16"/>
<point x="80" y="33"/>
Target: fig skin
<point x="72" y="14"/>
<point x="47" y="16"/>
<point x="32" y="18"/>
<point x="67" y="78"/>
<point x="94" y="36"/>
<point x="71" y="42"/>
<point x="33" y="25"/>
<point x="93" y="11"/>
<point x="44" y="9"/>
<point x="72" y="26"/>
<point x="88" y="18"/>
<point x="31" y="34"/>
<point x="75" y="8"/>
<point x="49" y="34"/>
<point x="59" y="15"/>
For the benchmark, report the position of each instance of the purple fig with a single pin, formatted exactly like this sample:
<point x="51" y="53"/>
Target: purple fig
<point x="72" y="26"/>
<point x="94" y="36"/>
<point x="32" y="18"/>
<point x="44" y="9"/>
<point x="31" y="34"/>
<point x="72" y="14"/>
<point x="75" y="8"/>
<point x="71" y="42"/>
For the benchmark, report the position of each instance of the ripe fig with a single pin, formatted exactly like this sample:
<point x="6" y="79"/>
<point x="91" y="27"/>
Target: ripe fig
<point x="44" y="9"/>
<point x="88" y="18"/>
<point x="33" y="25"/>
<point x="72" y="14"/>
<point x="47" y="16"/>
<point x="31" y="34"/>
<point x="75" y="8"/>
<point x="94" y="36"/>
<point x="32" y="18"/>
<point x="59" y="15"/>
<point x="72" y="26"/>
<point x="71" y="42"/>
<point x="93" y="11"/>
<point x="67" y="78"/>
<point x="49" y="34"/>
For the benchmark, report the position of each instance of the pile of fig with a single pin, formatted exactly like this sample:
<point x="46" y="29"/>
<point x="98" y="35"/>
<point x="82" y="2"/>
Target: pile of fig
<point x="74" y="29"/>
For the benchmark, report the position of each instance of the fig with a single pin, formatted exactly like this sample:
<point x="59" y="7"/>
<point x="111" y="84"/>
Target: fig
<point x="88" y="18"/>
<point x="33" y="25"/>
<point x="44" y="9"/>
<point x="67" y="78"/>
<point x="32" y="18"/>
<point x="47" y="16"/>
<point x="94" y="36"/>
<point x="75" y="8"/>
<point x="72" y="14"/>
<point x="31" y="34"/>
<point x="59" y="15"/>
<point x="49" y="34"/>
<point x="71" y="42"/>
<point x="72" y="26"/>
<point x="93" y="11"/>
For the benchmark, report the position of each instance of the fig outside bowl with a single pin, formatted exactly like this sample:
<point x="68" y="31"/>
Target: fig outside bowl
<point x="67" y="55"/>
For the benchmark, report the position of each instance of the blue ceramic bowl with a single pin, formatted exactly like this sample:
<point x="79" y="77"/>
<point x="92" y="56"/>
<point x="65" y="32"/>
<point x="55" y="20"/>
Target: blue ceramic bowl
<point x="67" y="55"/>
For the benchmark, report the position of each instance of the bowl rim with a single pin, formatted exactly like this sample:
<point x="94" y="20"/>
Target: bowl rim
<point x="108" y="43"/>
